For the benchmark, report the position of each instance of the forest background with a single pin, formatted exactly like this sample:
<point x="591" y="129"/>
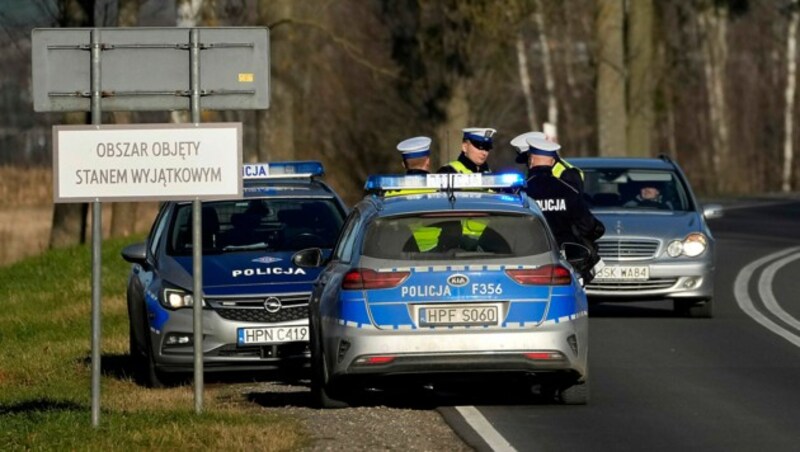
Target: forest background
<point x="710" y="83"/>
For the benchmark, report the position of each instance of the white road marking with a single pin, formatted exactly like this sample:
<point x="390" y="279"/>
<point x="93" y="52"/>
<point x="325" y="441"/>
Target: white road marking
<point x="740" y="291"/>
<point x="483" y="428"/>
<point x="767" y="295"/>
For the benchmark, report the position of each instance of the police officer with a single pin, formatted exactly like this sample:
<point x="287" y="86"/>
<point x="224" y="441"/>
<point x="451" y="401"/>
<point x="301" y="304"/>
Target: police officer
<point x="475" y="147"/>
<point x="561" y="203"/>
<point x="416" y="155"/>
<point x="562" y="169"/>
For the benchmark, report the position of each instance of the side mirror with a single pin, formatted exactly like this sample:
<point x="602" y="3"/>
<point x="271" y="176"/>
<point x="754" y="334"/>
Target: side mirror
<point x="136" y="253"/>
<point x="711" y="211"/>
<point x="308" y="258"/>
<point x="575" y="253"/>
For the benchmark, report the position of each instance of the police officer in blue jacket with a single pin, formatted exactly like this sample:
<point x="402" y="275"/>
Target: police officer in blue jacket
<point x="563" y="206"/>
<point x="561" y="169"/>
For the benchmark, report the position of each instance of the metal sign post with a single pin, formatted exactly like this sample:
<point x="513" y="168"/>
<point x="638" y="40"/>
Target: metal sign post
<point x="141" y="70"/>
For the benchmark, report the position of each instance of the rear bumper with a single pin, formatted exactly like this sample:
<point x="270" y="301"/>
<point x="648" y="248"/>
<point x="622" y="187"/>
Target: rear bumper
<point x="457" y="350"/>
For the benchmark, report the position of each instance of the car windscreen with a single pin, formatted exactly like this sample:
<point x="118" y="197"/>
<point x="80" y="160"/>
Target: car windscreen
<point x="634" y="189"/>
<point x="258" y="224"/>
<point x="455" y="236"/>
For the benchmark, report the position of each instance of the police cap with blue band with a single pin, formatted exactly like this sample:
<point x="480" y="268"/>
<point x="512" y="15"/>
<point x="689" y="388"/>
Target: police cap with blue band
<point x="543" y="147"/>
<point x="480" y="137"/>
<point x="521" y="144"/>
<point x="415" y="147"/>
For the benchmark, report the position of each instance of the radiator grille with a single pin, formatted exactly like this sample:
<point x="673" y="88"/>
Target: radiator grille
<point x="627" y="249"/>
<point x="251" y="309"/>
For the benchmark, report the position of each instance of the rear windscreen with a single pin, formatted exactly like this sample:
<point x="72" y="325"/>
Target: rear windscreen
<point x="455" y="236"/>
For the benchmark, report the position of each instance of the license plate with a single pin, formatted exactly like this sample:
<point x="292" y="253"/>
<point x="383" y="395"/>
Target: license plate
<point x="272" y="335"/>
<point x="624" y="273"/>
<point x="458" y="315"/>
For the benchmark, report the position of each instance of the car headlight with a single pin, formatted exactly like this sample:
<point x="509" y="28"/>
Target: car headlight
<point x="692" y="246"/>
<point x="176" y="298"/>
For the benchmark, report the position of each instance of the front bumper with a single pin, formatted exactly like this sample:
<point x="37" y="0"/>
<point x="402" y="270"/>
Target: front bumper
<point x="668" y="280"/>
<point x="457" y="350"/>
<point x="220" y="348"/>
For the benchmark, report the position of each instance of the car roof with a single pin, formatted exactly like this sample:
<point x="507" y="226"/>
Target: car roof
<point x="460" y="201"/>
<point x="301" y="188"/>
<point x="623" y="162"/>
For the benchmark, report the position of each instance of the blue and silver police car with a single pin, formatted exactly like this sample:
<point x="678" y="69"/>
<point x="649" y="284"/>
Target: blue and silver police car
<point x="444" y="276"/>
<point x="255" y="304"/>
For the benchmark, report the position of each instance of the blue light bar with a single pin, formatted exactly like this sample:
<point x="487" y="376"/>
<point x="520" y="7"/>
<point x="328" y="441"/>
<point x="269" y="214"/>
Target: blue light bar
<point x="282" y="170"/>
<point x="473" y="181"/>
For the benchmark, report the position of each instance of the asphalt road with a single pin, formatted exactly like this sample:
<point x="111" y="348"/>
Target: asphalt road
<point x="660" y="382"/>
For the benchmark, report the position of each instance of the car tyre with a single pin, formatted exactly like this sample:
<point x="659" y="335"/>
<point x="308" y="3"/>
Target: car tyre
<point x="325" y="393"/>
<point x="575" y="394"/>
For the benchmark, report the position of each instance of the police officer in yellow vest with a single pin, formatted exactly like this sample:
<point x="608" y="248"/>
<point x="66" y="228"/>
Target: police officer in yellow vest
<point x="562" y="169"/>
<point x="475" y="147"/>
<point x="416" y="160"/>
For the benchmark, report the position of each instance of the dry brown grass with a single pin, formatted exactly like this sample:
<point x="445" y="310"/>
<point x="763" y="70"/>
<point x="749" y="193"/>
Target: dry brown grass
<point x="26" y="212"/>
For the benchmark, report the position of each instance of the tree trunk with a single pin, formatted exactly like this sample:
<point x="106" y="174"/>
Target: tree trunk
<point x="525" y="81"/>
<point x="449" y="132"/>
<point x="791" y="83"/>
<point x="611" y="112"/>
<point x="547" y="65"/>
<point x="276" y="126"/>
<point x="640" y="83"/>
<point x="123" y="214"/>
<point x="69" y="220"/>
<point x="714" y="24"/>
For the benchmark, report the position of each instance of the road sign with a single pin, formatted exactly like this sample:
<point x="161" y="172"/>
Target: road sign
<point x="149" y="68"/>
<point x="147" y="162"/>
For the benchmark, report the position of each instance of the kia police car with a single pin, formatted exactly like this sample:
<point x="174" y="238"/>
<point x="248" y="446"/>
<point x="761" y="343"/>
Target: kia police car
<point x="428" y="282"/>
<point x="255" y="305"/>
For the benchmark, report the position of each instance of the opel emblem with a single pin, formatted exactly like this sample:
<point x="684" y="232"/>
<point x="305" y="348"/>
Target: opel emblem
<point x="458" y="280"/>
<point x="272" y="305"/>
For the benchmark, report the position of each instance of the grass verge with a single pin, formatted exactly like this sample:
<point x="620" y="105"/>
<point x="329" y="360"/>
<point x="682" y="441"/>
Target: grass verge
<point x="45" y="373"/>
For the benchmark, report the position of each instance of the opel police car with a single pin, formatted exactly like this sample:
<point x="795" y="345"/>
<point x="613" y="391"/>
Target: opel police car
<point x="255" y="303"/>
<point x="446" y="275"/>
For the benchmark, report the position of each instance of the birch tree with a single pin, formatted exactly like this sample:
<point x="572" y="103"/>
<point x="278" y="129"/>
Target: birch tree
<point x="791" y="82"/>
<point x="525" y="80"/>
<point x="713" y="24"/>
<point x="547" y="65"/>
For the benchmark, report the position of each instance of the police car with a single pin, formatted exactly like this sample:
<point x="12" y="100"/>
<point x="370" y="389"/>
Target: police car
<point x="255" y="305"/>
<point x="444" y="277"/>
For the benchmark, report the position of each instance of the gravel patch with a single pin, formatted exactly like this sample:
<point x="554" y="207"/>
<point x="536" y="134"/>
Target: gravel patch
<point x="364" y="428"/>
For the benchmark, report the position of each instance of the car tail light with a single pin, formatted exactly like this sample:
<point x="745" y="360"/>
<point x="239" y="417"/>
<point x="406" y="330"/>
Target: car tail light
<point x="546" y="275"/>
<point x="544" y="356"/>
<point x="364" y="278"/>
<point x="374" y="360"/>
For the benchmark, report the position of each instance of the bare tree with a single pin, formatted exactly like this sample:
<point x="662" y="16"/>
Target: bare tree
<point x="123" y="214"/>
<point x="276" y="126"/>
<point x="611" y="105"/>
<point x="525" y="80"/>
<point x="547" y="65"/>
<point x="69" y="220"/>
<point x="641" y="77"/>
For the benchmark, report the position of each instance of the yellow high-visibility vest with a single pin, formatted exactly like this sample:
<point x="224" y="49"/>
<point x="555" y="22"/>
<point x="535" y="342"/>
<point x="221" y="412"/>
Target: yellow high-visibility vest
<point x="561" y="166"/>
<point x="460" y="167"/>
<point x="427" y="237"/>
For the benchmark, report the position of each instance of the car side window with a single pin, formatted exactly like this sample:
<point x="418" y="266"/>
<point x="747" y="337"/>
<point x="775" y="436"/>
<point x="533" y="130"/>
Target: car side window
<point x="158" y="230"/>
<point x="344" y="249"/>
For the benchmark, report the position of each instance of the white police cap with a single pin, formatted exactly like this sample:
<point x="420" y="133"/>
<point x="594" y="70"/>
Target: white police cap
<point x="415" y="147"/>
<point x="480" y="136"/>
<point x="542" y="146"/>
<point x="521" y="144"/>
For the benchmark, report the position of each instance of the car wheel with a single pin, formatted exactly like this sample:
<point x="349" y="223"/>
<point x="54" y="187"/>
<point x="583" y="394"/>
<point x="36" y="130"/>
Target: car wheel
<point x="324" y="392"/>
<point x="575" y="394"/>
<point x="702" y="309"/>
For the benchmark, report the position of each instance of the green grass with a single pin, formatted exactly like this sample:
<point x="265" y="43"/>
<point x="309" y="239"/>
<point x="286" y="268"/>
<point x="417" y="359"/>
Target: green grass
<point x="45" y="374"/>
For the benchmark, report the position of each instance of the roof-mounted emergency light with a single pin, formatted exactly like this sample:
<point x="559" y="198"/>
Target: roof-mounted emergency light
<point x="444" y="182"/>
<point x="282" y="170"/>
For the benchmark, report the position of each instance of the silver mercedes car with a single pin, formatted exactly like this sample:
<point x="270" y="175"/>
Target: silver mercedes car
<point x="657" y="244"/>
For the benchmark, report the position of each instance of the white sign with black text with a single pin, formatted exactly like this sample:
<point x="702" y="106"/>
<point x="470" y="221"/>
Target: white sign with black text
<point x="147" y="162"/>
